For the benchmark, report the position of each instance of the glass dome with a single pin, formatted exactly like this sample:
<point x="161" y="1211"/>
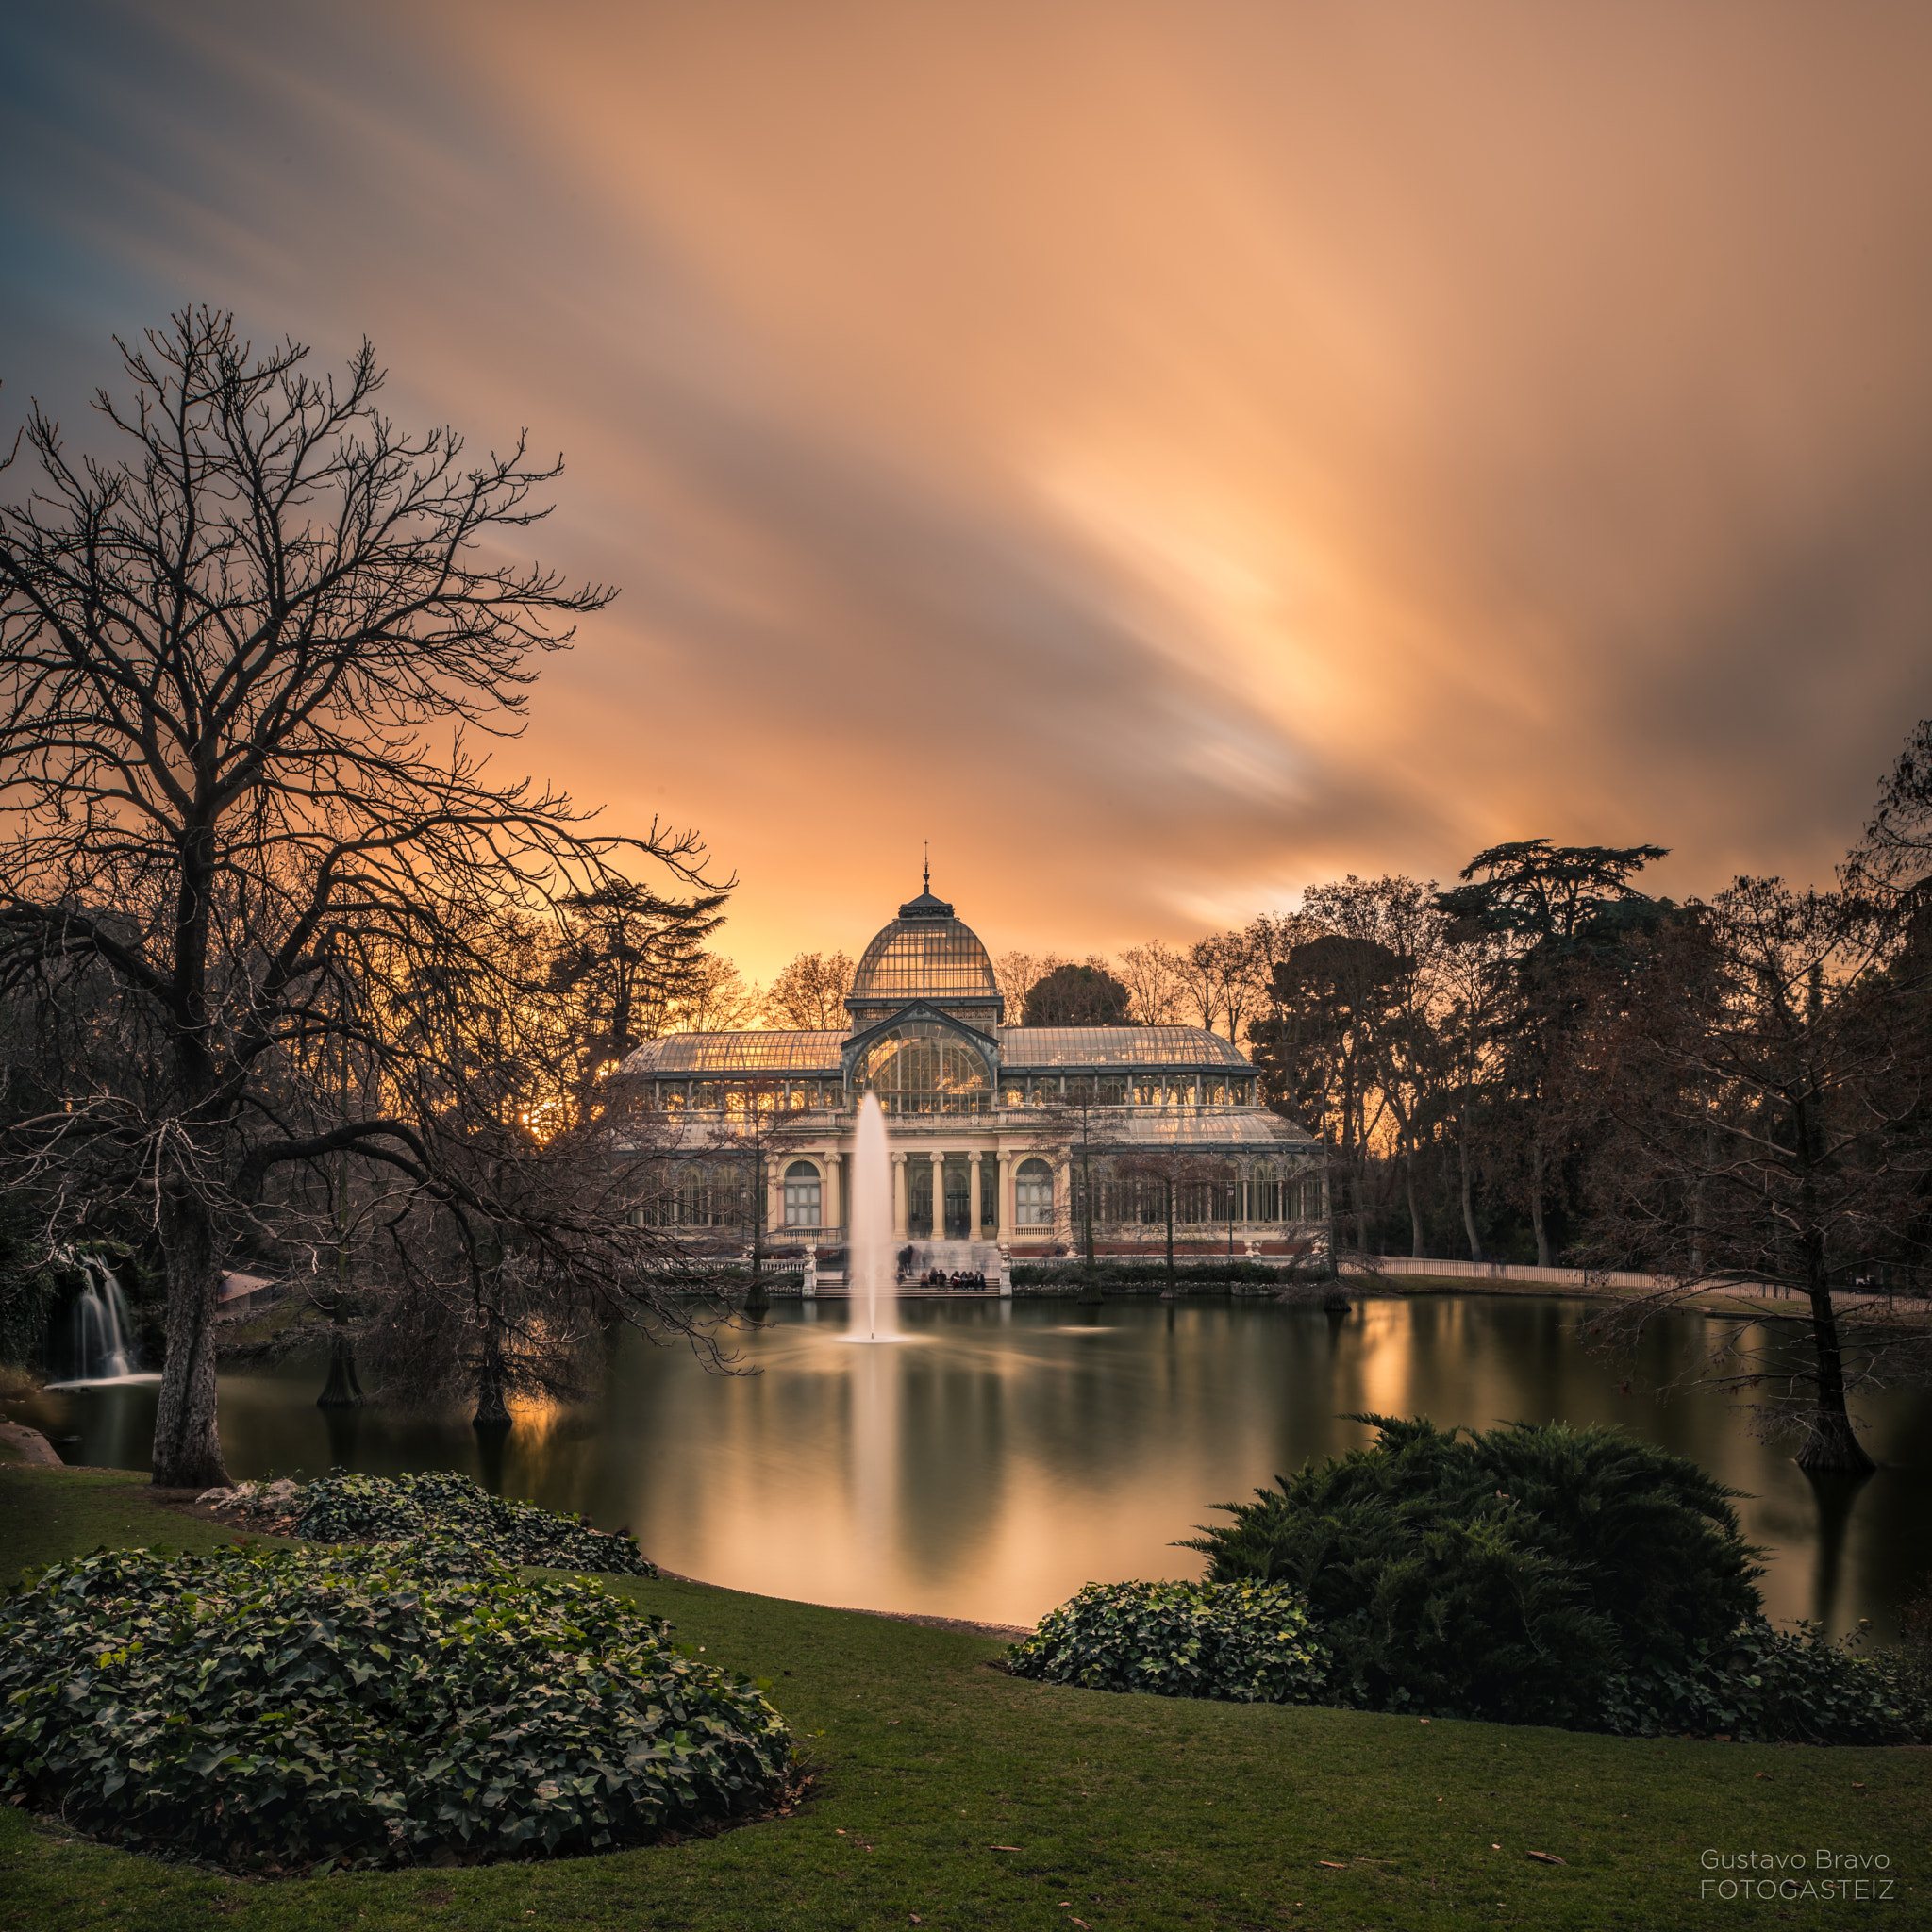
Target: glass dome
<point x="924" y="953"/>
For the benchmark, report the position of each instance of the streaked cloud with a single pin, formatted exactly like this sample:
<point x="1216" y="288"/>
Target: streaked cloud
<point x="1163" y="453"/>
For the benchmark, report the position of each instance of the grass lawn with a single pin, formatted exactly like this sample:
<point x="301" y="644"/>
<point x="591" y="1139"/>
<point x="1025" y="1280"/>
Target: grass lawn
<point x="952" y="1795"/>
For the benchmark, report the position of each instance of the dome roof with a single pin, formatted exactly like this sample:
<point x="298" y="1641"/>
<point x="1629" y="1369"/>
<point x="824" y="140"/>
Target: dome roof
<point x="924" y="953"/>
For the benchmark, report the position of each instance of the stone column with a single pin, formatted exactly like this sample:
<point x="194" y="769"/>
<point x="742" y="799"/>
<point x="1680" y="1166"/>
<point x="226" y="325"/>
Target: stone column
<point x="774" y="1197"/>
<point x="972" y="1199"/>
<point x="899" y="1195"/>
<point x="831" y="1193"/>
<point x="939" y="1195"/>
<point x="1008" y="1228"/>
<point x="1063" y="1195"/>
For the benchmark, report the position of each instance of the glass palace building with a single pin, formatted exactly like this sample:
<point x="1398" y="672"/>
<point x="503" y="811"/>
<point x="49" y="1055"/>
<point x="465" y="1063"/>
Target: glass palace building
<point x="996" y="1131"/>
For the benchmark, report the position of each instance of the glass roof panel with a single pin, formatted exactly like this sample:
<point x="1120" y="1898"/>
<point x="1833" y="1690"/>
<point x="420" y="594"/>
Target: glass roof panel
<point x="738" y="1053"/>
<point x="1116" y="1046"/>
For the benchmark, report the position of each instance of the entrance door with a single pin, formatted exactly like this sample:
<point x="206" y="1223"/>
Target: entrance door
<point x="958" y="1199"/>
<point x="919" y="1223"/>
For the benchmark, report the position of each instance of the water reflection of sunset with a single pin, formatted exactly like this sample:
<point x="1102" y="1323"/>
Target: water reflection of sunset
<point x="1016" y="1451"/>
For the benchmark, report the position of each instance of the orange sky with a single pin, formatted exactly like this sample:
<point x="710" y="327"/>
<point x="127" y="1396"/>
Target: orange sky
<point x="1161" y="453"/>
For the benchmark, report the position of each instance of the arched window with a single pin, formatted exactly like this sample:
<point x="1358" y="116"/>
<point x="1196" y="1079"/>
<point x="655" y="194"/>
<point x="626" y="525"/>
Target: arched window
<point x="1033" y="1194"/>
<point x="920" y="1067"/>
<point x="1311" y="1197"/>
<point x="1264" y="1193"/>
<point x="802" y="1195"/>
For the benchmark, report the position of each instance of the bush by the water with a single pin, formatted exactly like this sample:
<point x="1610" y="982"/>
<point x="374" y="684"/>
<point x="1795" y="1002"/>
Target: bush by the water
<point x="1550" y="1574"/>
<point x="1761" y="1683"/>
<point x="378" y="1509"/>
<point x="282" y="1708"/>
<point x="1507" y="1575"/>
<point x="1246" y="1643"/>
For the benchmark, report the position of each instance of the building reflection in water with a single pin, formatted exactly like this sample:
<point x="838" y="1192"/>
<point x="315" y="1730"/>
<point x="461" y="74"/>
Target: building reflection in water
<point x="1006" y="1453"/>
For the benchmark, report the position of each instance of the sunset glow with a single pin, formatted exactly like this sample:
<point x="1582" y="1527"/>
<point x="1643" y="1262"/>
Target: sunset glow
<point x="1162" y="455"/>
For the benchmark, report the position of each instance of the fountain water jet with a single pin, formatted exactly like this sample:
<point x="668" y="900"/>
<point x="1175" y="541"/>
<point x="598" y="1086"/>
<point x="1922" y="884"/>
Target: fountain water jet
<point x="874" y="1271"/>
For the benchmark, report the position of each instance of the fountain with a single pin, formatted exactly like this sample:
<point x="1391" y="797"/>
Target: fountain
<point x="874" y="1262"/>
<point x="100" y="1330"/>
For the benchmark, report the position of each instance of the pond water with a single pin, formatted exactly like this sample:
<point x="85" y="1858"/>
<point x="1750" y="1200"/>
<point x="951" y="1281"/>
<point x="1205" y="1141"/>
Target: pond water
<point x="1004" y="1453"/>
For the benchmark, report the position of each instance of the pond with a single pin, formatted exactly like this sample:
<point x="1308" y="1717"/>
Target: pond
<point x="1006" y="1453"/>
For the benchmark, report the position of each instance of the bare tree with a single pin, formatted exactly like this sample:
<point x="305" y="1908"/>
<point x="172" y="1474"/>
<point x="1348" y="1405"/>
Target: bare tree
<point x="1155" y="976"/>
<point x="754" y="1133"/>
<point x="1087" y="1124"/>
<point x="1017" y="974"/>
<point x="1267" y="941"/>
<point x="1406" y="1064"/>
<point x="715" y="998"/>
<point x="243" y="672"/>
<point x="1472" y="982"/>
<point x="1163" y="1171"/>
<point x="1766" y="1082"/>
<point x="809" y="993"/>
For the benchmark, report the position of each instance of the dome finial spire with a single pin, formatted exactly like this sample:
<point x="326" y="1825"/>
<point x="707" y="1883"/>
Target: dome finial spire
<point x="925" y="872"/>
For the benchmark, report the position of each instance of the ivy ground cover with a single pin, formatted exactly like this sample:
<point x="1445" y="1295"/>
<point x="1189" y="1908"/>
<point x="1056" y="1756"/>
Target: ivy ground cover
<point x="1121" y="1811"/>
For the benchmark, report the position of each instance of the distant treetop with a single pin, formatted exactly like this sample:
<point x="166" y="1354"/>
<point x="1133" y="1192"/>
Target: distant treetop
<point x="1070" y="995"/>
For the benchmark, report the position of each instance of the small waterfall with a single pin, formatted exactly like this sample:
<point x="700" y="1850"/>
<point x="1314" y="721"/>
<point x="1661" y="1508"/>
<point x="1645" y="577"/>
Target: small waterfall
<point x="874" y="1265"/>
<point x="100" y="1331"/>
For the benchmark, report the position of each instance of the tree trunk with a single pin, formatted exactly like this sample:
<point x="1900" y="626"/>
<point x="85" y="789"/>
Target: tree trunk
<point x="1832" y="1443"/>
<point x="1089" y="1288"/>
<point x="493" y="1411"/>
<point x="188" y="1442"/>
<point x="1536" y="1222"/>
<point x="342" y="1389"/>
<point x="1328" y="1213"/>
<point x="1415" y="1219"/>
<point x="1335" y="1301"/>
<point x="1476" y="1246"/>
<point x="1536" y="1200"/>
<point x="1171" y="1283"/>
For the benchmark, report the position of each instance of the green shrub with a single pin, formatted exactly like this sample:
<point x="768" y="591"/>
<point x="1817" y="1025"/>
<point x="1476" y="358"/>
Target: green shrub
<point x="269" y="1709"/>
<point x="1245" y="1642"/>
<point x="339" y="1507"/>
<point x="1508" y="1575"/>
<point x="1760" y="1684"/>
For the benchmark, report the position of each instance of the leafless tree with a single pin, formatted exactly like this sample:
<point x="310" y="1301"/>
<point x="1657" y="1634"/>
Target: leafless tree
<point x="809" y="993"/>
<point x="1017" y="974"/>
<point x="1765" y="1085"/>
<point x="245" y="669"/>
<point x="716" y="997"/>
<point x="1406" y="1063"/>
<point x="1155" y="975"/>
<point x="1087" y="1126"/>
<point x="754" y="1134"/>
<point x="1164" y="1171"/>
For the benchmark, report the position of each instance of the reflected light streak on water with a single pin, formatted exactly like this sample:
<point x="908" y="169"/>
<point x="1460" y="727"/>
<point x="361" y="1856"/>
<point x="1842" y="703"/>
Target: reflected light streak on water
<point x="1008" y="1454"/>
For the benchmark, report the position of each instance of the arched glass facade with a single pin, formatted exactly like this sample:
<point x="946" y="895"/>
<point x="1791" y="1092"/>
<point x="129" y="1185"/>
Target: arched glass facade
<point x="922" y="1067"/>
